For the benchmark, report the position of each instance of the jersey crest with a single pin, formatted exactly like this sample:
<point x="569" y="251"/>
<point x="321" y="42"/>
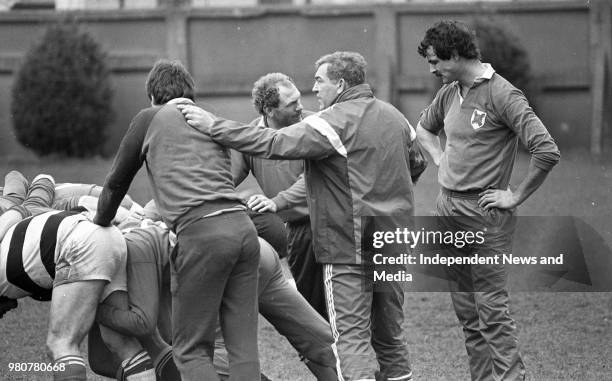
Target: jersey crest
<point x="478" y="119"/>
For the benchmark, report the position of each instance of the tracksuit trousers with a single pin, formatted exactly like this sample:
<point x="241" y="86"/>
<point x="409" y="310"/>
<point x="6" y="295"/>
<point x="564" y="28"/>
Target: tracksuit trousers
<point x="366" y="325"/>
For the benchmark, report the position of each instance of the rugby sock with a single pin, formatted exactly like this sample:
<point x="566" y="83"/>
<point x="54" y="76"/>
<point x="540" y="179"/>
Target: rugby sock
<point x="165" y="368"/>
<point x="137" y="368"/>
<point x="69" y="368"/>
<point x="40" y="194"/>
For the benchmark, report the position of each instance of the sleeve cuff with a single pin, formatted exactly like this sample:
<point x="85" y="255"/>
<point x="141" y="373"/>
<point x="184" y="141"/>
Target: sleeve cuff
<point x="280" y="202"/>
<point x="545" y="163"/>
<point x="429" y="129"/>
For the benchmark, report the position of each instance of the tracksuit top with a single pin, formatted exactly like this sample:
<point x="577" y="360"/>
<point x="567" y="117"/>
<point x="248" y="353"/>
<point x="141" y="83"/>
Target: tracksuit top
<point x="356" y="164"/>
<point x="190" y="174"/>
<point x="482" y="133"/>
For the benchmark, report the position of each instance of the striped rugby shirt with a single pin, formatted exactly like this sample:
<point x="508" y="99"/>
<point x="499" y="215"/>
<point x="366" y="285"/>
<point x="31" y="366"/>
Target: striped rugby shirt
<point x="29" y="251"/>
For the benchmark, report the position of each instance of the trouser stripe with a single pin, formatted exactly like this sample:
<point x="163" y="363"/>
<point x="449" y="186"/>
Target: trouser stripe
<point x="405" y="377"/>
<point x="331" y="312"/>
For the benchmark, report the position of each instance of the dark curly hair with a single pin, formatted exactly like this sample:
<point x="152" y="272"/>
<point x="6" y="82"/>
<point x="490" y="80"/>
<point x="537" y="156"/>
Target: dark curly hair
<point x="169" y="79"/>
<point x="448" y="37"/>
<point x="265" y="91"/>
<point x="350" y="66"/>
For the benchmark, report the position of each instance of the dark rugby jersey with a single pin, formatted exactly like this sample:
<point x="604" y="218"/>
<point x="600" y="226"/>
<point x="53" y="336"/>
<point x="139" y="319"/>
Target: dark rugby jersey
<point x="482" y="133"/>
<point x="186" y="169"/>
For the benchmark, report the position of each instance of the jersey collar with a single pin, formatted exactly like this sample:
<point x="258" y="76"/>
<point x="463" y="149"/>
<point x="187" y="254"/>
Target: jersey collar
<point x="180" y="100"/>
<point x="485" y="76"/>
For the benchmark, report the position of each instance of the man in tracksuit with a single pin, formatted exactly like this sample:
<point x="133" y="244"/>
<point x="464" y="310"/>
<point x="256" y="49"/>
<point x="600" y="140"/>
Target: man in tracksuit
<point x="357" y="153"/>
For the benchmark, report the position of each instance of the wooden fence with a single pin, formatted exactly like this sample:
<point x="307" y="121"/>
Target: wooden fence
<point x="569" y="46"/>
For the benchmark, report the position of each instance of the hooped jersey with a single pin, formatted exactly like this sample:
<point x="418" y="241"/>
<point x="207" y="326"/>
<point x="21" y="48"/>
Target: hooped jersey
<point x="29" y="252"/>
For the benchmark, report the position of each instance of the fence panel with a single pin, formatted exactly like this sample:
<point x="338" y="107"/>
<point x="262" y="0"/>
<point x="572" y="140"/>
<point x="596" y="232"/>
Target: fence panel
<point x="228" y="49"/>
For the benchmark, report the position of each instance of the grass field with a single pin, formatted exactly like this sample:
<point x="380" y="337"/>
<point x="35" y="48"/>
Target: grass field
<point x="563" y="336"/>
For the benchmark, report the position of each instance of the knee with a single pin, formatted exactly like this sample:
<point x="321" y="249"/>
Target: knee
<point x="323" y="357"/>
<point x="53" y="339"/>
<point x="16" y="175"/>
<point x="492" y="302"/>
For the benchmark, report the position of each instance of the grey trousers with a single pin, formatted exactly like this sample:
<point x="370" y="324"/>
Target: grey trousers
<point x="283" y="306"/>
<point x="366" y="325"/>
<point x="479" y="293"/>
<point x="214" y="278"/>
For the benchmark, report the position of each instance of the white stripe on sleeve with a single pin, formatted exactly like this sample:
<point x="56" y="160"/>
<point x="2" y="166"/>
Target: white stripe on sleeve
<point x="326" y="130"/>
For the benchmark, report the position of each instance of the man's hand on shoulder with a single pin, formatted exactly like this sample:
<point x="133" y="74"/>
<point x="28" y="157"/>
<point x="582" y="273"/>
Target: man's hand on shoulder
<point x="197" y="117"/>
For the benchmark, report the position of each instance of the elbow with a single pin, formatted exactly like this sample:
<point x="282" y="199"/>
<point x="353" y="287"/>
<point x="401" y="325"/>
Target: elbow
<point x="115" y="186"/>
<point x="143" y="327"/>
<point x="544" y="151"/>
<point x="546" y="162"/>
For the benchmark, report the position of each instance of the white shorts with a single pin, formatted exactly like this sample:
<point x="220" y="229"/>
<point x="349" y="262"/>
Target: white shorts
<point x="92" y="252"/>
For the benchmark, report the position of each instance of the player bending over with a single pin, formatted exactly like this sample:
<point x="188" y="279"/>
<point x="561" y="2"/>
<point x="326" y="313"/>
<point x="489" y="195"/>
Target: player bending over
<point x="148" y="315"/>
<point x="63" y="257"/>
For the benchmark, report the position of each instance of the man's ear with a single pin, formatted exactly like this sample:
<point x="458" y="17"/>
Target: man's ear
<point x="341" y="86"/>
<point x="269" y="111"/>
<point x="455" y="56"/>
